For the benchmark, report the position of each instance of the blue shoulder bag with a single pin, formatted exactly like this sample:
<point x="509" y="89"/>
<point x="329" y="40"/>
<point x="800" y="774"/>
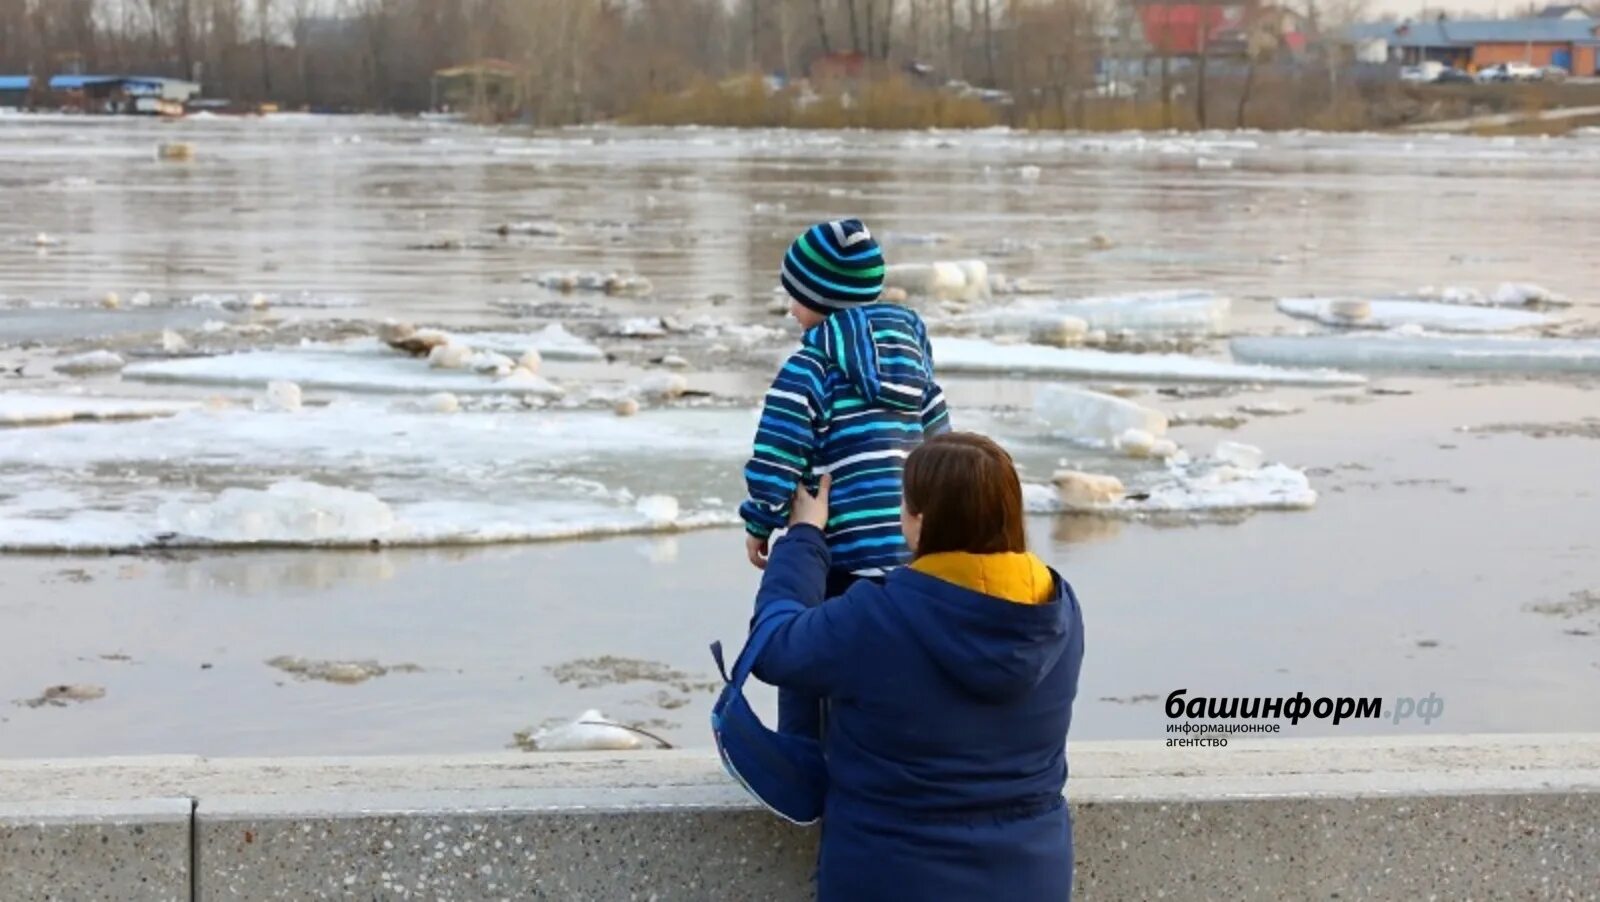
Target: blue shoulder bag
<point x="785" y="773"/>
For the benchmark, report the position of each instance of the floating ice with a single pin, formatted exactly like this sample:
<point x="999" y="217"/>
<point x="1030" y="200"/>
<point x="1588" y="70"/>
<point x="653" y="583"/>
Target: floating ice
<point x="40" y="410"/>
<point x="659" y="509"/>
<point x="362" y="365"/>
<point x="1390" y="314"/>
<point x="553" y="342"/>
<point x="472" y="478"/>
<point x="591" y="732"/>
<point x="90" y="364"/>
<point x="1078" y="491"/>
<point x="662" y="386"/>
<point x="965" y="355"/>
<point x="1203" y="487"/>
<point x="292" y="512"/>
<point x="1390" y="351"/>
<point x="283" y="397"/>
<point x="1242" y="456"/>
<point x="607" y="283"/>
<point x="1153" y="311"/>
<point x="947" y="280"/>
<point x="1089" y="416"/>
<point x="639" y="327"/>
<point x="173" y="343"/>
<point x="1506" y="294"/>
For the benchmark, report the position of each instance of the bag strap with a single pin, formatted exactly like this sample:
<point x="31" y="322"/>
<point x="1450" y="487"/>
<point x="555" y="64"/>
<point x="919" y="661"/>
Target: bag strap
<point x="772" y="617"/>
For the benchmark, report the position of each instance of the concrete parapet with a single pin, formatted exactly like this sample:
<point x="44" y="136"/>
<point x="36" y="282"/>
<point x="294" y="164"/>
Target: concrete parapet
<point x="1391" y="818"/>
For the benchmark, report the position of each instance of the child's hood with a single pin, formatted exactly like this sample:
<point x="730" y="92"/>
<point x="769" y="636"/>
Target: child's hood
<point x="881" y="349"/>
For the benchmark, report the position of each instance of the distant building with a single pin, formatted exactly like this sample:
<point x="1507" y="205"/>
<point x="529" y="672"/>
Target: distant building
<point x="123" y="93"/>
<point x="839" y="66"/>
<point x="1571" y="44"/>
<point x="16" y="91"/>
<point x="488" y="89"/>
<point x="1576" y="13"/>
<point x="1187" y="30"/>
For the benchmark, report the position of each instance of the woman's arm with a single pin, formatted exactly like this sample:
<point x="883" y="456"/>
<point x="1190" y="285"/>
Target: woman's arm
<point x="807" y="650"/>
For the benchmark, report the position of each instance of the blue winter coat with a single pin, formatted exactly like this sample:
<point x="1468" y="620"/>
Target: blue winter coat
<point x="946" y="732"/>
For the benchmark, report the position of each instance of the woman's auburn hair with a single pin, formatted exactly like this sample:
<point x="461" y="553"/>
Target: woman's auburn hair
<point x="966" y="489"/>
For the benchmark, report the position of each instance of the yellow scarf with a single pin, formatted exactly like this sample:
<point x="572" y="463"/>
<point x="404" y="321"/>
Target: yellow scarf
<point x="1016" y="577"/>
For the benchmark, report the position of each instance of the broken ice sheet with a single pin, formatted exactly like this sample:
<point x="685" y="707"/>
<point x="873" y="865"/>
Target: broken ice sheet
<point x="967" y="355"/>
<point x="363" y="365"/>
<point x="1152" y="311"/>
<point x="240" y="477"/>
<point x="27" y="409"/>
<point x="1412" y="352"/>
<point x="1357" y="313"/>
<point x="1199" y="488"/>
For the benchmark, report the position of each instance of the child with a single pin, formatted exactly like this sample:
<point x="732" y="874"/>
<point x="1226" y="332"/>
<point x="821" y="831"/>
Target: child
<point x="852" y="401"/>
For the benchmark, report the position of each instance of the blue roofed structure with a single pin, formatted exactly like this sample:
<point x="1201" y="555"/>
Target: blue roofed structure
<point x="16" y="82"/>
<point x="79" y="82"/>
<point x="1476" y="43"/>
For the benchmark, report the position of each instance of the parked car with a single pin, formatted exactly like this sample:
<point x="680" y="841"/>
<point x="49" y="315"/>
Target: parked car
<point x="1453" y="76"/>
<point x="1522" y="71"/>
<point x="1553" y="73"/>
<point x="1422" y="73"/>
<point x="1492" y="74"/>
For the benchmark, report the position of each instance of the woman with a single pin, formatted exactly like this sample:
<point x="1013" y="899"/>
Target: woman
<point x="949" y="690"/>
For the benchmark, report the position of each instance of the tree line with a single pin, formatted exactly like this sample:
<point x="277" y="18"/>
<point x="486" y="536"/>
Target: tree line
<point x="586" y="60"/>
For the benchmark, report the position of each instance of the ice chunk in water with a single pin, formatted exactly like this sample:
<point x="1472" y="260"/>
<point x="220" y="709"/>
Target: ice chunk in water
<point x="591" y="732"/>
<point x="1245" y="457"/>
<point x="1507" y="294"/>
<point x="1152" y="311"/>
<point x="945" y="280"/>
<point x="658" y="509"/>
<point x="662" y="386"/>
<point x="363" y="365"/>
<point x="1209" y="486"/>
<point x="287" y="512"/>
<point x="284" y="397"/>
<point x="1079" y="491"/>
<point x="1090" y="416"/>
<point x="966" y="355"/>
<point x="40" y="410"/>
<point x="553" y="342"/>
<point x="90" y="364"/>
<point x="1390" y="351"/>
<point x="1390" y="314"/>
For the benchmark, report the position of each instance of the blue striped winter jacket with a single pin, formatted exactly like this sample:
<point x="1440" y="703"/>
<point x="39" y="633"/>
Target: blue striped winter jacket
<point x="853" y="401"/>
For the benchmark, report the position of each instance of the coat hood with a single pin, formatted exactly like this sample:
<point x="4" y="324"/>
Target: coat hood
<point x="994" y="647"/>
<point x="881" y="349"/>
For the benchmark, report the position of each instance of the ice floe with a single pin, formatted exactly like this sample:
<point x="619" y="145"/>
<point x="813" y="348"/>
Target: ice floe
<point x="361" y="365"/>
<point x="1155" y="311"/>
<point x="1422" y="352"/>
<point x="591" y="732"/>
<point x="92" y="363"/>
<point x="1506" y="294"/>
<point x="1390" y="314"/>
<point x="353" y="474"/>
<point x="1210" y="486"/>
<point x="19" y="409"/>
<point x="945" y="280"/>
<point x="968" y="355"/>
<point x="1095" y="418"/>
<point x="614" y="283"/>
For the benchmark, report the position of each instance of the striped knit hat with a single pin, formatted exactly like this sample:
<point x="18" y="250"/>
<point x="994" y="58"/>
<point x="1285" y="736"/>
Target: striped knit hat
<point x="834" y="266"/>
